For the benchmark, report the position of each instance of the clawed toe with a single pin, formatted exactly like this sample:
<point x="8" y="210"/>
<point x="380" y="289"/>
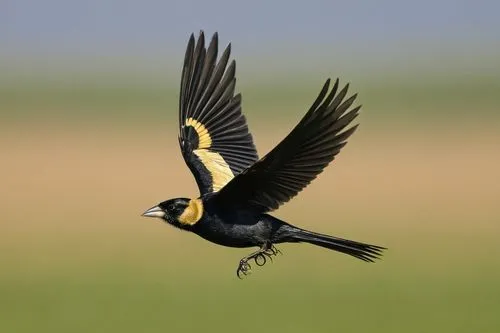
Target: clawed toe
<point x="261" y="259"/>
<point x="243" y="268"/>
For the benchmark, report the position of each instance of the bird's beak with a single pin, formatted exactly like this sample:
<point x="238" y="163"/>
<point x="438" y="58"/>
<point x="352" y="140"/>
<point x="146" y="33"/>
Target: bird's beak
<point x="154" y="212"/>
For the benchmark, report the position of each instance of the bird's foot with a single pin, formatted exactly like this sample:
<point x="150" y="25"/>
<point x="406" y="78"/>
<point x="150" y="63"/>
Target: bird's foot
<point x="243" y="268"/>
<point x="274" y="251"/>
<point x="260" y="257"/>
<point x="268" y="253"/>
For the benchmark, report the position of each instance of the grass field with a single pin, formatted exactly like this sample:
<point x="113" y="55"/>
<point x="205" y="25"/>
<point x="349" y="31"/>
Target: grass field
<point x="77" y="257"/>
<point x="423" y="96"/>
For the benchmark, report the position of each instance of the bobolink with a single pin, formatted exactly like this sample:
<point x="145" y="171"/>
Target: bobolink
<point x="237" y="189"/>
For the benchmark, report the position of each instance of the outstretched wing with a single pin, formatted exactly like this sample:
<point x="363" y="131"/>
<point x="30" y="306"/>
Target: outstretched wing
<point x="298" y="159"/>
<point x="214" y="136"/>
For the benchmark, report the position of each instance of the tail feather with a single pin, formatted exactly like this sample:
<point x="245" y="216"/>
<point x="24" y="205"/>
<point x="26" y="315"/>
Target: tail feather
<point x="365" y="252"/>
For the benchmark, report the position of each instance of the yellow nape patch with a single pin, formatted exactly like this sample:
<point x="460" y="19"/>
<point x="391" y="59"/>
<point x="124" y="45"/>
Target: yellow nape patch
<point x="204" y="139"/>
<point x="219" y="170"/>
<point x="192" y="213"/>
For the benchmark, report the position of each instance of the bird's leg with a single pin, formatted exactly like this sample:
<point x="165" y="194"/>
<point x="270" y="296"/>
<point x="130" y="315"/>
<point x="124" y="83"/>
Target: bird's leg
<point x="260" y="256"/>
<point x="273" y="251"/>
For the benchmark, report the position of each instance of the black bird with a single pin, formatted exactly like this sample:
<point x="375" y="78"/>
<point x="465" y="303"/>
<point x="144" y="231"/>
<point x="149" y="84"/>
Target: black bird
<point x="237" y="189"/>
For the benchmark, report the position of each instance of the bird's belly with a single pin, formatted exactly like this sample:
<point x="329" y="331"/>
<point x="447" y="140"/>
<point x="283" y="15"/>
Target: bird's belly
<point x="234" y="235"/>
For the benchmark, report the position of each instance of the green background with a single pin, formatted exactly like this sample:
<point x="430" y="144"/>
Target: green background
<point x="88" y="141"/>
<point x="81" y="163"/>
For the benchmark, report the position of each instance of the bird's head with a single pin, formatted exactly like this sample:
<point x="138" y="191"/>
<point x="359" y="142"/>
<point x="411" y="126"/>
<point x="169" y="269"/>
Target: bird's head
<point x="179" y="212"/>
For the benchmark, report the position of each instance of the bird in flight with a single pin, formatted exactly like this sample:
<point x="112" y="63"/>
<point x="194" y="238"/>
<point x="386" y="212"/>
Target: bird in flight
<point x="237" y="189"/>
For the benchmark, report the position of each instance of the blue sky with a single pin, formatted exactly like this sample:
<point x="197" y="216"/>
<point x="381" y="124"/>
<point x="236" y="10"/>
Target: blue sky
<point x="80" y="32"/>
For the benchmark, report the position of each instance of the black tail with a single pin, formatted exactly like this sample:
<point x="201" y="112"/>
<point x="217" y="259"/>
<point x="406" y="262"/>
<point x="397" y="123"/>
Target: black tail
<point x="365" y="252"/>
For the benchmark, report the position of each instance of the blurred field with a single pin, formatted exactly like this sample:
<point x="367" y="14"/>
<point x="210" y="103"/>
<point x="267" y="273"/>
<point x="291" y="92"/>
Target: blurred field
<point x="88" y="114"/>
<point x="77" y="257"/>
<point x="425" y="96"/>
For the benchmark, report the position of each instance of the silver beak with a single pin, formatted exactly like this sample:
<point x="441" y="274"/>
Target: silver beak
<point x="154" y="212"/>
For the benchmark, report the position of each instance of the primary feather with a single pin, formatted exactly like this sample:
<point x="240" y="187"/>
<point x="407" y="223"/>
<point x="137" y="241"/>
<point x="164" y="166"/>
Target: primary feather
<point x="297" y="159"/>
<point x="213" y="133"/>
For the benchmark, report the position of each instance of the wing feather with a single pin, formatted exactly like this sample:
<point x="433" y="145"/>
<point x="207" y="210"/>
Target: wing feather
<point x="297" y="159"/>
<point x="213" y="133"/>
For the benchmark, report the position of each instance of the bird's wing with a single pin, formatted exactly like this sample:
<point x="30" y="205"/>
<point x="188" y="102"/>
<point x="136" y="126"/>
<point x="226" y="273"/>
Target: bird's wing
<point x="298" y="159"/>
<point x="213" y="136"/>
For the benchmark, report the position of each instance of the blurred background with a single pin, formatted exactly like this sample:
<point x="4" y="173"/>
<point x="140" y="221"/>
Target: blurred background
<point x="88" y="107"/>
